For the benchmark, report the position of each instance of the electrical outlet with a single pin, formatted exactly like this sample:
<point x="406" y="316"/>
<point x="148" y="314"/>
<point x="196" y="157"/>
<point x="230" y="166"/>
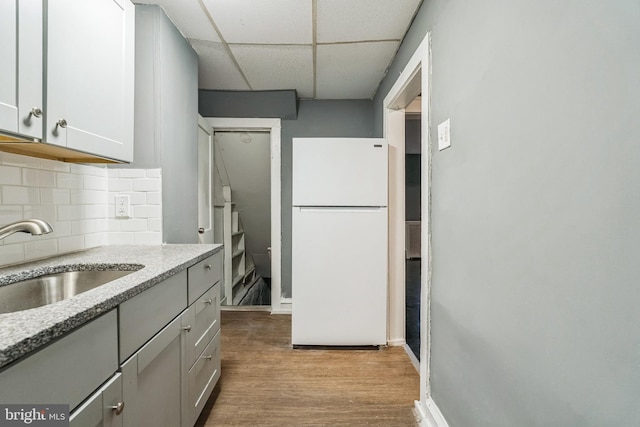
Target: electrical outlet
<point x="123" y="206"/>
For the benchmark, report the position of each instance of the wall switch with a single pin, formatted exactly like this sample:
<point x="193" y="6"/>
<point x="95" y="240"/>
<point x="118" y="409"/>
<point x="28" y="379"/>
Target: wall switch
<point x="444" y="134"/>
<point x="123" y="206"/>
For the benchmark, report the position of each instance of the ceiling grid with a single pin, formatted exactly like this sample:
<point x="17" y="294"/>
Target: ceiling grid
<point x="325" y="49"/>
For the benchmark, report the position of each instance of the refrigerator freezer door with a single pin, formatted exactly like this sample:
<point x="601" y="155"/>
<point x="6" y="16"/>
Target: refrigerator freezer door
<point x="339" y="276"/>
<point x="340" y="172"/>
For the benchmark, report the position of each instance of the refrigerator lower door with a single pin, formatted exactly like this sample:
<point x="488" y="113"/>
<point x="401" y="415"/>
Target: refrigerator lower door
<point x="339" y="276"/>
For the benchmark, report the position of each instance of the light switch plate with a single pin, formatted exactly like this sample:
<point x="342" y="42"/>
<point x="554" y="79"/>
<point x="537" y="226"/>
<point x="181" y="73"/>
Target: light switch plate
<point x="444" y="134"/>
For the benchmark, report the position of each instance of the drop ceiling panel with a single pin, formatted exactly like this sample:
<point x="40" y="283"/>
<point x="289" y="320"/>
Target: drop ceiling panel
<point x="216" y="69"/>
<point x="263" y="22"/>
<point x="277" y="67"/>
<point x="352" y="71"/>
<point x="189" y="17"/>
<point x="358" y="20"/>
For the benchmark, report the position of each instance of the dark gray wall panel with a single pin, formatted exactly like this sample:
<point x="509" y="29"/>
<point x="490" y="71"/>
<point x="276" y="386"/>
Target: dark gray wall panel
<point x="256" y="104"/>
<point x="536" y="214"/>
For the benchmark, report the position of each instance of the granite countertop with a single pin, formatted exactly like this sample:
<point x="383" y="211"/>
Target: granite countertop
<point x="25" y="331"/>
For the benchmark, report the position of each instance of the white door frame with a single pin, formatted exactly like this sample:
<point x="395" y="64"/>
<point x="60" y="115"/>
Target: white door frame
<point x="414" y="80"/>
<point x="274" y="128"/>
<point x="204" y="126"/>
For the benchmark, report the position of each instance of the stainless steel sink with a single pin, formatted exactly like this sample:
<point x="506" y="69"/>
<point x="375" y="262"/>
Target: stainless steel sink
<point x="50" y="288"/>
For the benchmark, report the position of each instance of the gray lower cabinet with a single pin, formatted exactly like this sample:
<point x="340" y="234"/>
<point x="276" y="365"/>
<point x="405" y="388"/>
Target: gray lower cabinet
<point x="103" y="409"/>
<point x="153" y="380"/>
<point x="67" y="371"/>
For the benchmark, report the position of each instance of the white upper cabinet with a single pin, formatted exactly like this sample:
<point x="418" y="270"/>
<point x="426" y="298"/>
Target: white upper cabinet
<point x="68" y="75"/>
<point x="21" y="73"/>
<point x="90" y="75"/>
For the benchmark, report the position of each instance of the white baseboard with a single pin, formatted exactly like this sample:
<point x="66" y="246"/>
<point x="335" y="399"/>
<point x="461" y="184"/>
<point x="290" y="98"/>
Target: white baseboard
<point x="396" y="342"/>
<point x="414" y="359"/>
<point x="429" y="414"/>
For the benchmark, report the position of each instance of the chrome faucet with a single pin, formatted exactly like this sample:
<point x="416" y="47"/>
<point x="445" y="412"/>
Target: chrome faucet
<point x="32" y="226"/>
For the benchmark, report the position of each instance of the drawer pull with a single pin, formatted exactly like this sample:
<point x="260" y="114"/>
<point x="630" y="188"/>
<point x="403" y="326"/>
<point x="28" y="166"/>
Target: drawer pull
<point x="187" y="328"/>
<point x="118" y="408"/>
<point x="207" y="357"/>
<point x="208" y="301"/>
<point x="208" y="266"/>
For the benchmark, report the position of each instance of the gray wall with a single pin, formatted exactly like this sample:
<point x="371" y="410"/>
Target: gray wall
<point x="166" y="119"/>
<point x="536" y="210"/>
<point x="316" y="119"/>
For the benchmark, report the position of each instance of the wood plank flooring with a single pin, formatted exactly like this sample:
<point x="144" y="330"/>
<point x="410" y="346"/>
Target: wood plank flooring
<point x="265" y="382"/>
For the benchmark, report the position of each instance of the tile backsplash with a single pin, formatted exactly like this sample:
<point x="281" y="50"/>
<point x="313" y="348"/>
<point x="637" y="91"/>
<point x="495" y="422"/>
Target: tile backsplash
<point x="78" y="201"/>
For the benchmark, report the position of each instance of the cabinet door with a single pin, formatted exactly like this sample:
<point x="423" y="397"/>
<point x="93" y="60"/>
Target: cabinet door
<point x="103" y="409"/>
<point x="8" y="70"/>
<point x="89" y="57"/>
<point x="154" y="381"/>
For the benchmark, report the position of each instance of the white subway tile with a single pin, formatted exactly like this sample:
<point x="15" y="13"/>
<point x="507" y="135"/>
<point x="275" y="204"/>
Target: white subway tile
<point x="95" y="182"/>
<point x="132" y="173"/>
<point x="55" y="196"/>
<point x="68" y="180"/>
<point x="113" y="224"/>
<point x="133" y="225"/>
<point x="10" y="175"/>
<point x="137" y="198"/>
<point x="54" y="165"/>
<point x="9" y="214"/>
<point x="38" y="178"/>
<point x="44" y="212"/>
<point x="120" y="184"/>
<point x="146" y="184"/>
<point x="70" y="212"/>
<point x="113" y="172"/>
<point x="95" y="211"/>
<point x="11" y="254"/>
<point x="88" y="197"/>
<point x="11" y="159"/>
<point x="147" y="238"/>
<point x="70" y="244"/>
<point x="12" y="195"/>
<point x="154" y="198"/>
<point x="94" y="240"/>
<point x="154" y="224"/>
<point x="88" y="170"/>
<point x="154" y="173"/>
<point x="40" y="248"/>
<point x="146" y="211"/>
<point x="62" y="228"/>
<point x="121" y="238"/>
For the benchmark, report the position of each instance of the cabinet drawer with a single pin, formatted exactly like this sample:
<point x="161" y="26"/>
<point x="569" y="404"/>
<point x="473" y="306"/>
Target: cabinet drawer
<point x="202" y="320"/>
<point x="203" y="377"/>
<point x="99" y="409"/>
<point x="203" y="275"/>
<point x="67" y="371"/>
<point x="144" y="315"/>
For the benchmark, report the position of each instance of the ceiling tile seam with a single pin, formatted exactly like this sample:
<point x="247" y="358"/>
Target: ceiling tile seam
<point x="314" y="25"/>
<point x="224" y="43"/>
<point x="358" y="42"/>
<point x="272" y="44"/>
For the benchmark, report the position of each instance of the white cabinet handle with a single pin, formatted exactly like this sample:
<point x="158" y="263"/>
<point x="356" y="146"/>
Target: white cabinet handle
<point x="187" y="328"/>
<point x="118" y="408"/>
<point x="208" y="301"/>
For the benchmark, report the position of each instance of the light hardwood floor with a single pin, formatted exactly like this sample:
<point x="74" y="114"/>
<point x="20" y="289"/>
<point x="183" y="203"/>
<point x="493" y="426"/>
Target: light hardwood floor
<point x="265" y="382"/>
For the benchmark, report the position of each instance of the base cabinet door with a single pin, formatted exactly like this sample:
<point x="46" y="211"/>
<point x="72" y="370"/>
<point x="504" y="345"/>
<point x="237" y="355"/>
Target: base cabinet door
<point x="103" y="409"/>
<point x="153" y="381"/>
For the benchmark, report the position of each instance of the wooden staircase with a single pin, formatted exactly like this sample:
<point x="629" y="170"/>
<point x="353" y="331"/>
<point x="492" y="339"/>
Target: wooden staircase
<point x="239" y="268"/>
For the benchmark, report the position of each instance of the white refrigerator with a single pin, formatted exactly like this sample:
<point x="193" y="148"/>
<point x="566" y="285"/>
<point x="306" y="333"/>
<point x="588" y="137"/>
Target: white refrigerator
<point x="339" y="242"/>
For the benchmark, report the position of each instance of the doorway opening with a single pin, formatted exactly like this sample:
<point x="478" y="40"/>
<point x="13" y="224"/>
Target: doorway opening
<point x="413" y="80"/>
<point x="246" y="143"/>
